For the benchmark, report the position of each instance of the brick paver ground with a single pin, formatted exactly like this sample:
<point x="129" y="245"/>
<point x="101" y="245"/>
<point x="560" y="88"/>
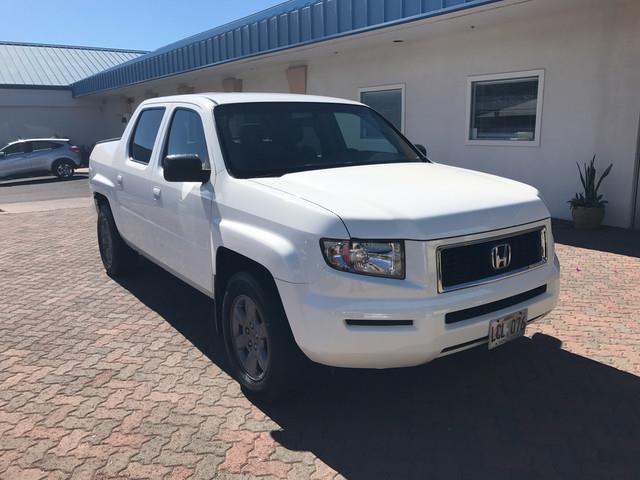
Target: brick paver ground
<point x="100" y="379"/>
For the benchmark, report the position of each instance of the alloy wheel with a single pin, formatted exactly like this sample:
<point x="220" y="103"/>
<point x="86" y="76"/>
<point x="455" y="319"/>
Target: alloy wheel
<point x="250" y="337"/>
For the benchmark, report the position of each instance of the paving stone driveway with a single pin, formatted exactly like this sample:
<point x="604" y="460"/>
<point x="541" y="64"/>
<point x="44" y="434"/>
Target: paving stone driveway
<point x="100" y="379"/>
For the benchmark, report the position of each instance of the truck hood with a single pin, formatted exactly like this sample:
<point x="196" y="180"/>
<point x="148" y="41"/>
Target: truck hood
<point x="417" y="201"/>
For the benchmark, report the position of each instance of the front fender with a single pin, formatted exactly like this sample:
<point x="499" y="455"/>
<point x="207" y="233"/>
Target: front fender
<point x="294" y="258"/>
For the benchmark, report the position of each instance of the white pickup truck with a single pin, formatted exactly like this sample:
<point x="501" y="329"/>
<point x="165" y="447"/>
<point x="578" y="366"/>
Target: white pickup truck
<point x="319" y="229"/>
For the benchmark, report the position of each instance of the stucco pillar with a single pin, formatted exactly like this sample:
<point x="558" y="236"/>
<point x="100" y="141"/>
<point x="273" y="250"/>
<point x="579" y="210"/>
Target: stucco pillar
<point x="297" y="78"/>
<point x="232" y="84"/>
<point x="184" y="89"/>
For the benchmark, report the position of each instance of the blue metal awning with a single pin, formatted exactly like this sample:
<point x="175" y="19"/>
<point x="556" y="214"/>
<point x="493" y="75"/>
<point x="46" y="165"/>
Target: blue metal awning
<point x="287" y="25"/>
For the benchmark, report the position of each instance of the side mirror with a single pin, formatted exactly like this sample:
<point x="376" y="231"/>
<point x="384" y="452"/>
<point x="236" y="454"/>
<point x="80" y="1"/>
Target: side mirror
<point x="421" y="148"/>
<point x="3" y="154"/>
<point x="184" y="168"/>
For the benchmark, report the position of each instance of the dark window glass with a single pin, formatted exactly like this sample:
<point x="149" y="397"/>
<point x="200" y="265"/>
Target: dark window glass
<point x="15" y="148"/>
<point x="504" y="109"/>
<point x="272" y="139"/>
<point x="186" y="135"/>
<point x="387" y="103"/>
<point x="145" y="134"/>
<point x="43" y="145"/>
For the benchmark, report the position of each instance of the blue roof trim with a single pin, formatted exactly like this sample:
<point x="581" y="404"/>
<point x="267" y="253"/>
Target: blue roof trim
<point x="34" y="87"/>
<point x="287" y="25"/>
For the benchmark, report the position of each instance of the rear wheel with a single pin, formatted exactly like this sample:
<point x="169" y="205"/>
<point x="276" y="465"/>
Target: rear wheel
<point x="117" y="257"/>
<point x="263" y="355"/>
<point x="63" y="168"/>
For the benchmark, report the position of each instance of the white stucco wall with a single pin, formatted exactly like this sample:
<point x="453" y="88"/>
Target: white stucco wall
<point x="29" y="113"/>
<point x="591" y="105"/>
<point x="588" y="49"/>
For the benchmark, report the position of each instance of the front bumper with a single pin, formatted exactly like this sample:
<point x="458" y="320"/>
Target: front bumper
<point x="318" y="312"/>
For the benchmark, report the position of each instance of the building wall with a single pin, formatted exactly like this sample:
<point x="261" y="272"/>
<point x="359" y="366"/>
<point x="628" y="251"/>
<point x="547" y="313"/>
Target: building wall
<point x="589" y="50"/>
<point x="591" y="104"/>
<point x="28" y="113"/>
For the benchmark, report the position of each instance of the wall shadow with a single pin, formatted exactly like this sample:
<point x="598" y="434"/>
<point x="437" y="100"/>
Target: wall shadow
<point x="605" y="239"/>
<point x="527" y="410"/>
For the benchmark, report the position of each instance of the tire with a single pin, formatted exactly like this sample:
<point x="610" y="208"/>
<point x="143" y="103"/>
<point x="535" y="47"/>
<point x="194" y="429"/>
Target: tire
<point x="264" y="359"/>
<point x="63" y="168"/>
<point x="117" y="257"/>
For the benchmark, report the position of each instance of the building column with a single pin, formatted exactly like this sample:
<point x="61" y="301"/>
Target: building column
<point x="232" y="84"/>
<point x="184" y="89"/>
<point x="297" y="79"/>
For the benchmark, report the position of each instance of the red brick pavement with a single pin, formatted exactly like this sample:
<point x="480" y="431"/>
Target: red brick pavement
<point x="100" y="379"/>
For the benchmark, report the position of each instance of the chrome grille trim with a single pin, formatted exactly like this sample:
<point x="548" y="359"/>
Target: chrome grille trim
<point x="544" y="241"/>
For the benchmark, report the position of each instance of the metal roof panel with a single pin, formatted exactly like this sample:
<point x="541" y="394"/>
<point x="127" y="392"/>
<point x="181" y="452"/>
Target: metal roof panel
<point x="287" y="25"/>
<point x="31" y="64"/>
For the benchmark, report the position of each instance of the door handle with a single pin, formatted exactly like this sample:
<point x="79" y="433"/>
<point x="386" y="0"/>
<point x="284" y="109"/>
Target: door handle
<point x="119" y="180"/>
<point x="156" y="193"/>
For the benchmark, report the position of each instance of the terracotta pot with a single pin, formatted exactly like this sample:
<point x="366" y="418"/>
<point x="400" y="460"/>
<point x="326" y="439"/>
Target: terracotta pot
<point x="587" y="218"/>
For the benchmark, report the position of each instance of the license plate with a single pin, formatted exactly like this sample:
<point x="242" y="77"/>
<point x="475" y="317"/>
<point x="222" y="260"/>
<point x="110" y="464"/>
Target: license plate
<point x="505" y="329"/>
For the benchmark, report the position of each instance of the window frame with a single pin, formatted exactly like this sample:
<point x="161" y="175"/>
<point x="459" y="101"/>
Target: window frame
<point x="24" y="150"/>
<point x="206" y="163"/>
<point x="52" y="145"/>
<point x="135" y="128"/>
<point x="382" y="88"/>
<point x="539" y="73"/>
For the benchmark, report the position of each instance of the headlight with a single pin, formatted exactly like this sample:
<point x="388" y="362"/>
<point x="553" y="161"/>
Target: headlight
<point x="382" y="258"/>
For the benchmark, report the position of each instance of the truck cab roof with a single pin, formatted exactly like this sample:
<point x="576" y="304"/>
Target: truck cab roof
<point x="220" y="98"/>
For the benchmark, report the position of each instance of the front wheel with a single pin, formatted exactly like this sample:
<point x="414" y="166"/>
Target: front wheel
<point x="260" y="346"/>
<point x="64" y="168"/>
<point x="117" y="257"/>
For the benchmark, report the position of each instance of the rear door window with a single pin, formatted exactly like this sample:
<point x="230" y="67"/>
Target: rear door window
<point x="40" y="146"/>
<point x="144" y="134"/>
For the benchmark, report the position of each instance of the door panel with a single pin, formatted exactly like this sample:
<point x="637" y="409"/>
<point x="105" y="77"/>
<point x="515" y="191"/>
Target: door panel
<point x="15" y="162"/>
<point x="13" y="165"/>
<point x="40" y="156"/>
<point x="182" y="211"/>
<point x="133" y="180"/>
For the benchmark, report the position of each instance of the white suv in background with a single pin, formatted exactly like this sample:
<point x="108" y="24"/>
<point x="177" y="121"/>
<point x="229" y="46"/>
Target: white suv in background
<point x="318" y="228"/>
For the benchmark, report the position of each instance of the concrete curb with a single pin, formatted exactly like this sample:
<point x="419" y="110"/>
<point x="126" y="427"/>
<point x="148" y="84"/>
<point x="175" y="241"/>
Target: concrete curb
<point x="46" y="205"/>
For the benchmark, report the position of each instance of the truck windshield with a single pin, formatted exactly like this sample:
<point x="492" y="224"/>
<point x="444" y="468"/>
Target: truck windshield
<point x="270" y="139"/>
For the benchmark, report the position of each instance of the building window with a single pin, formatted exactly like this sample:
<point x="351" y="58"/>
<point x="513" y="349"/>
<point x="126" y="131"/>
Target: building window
<point x="505" y="109"/>
<point x="388" y="101"/>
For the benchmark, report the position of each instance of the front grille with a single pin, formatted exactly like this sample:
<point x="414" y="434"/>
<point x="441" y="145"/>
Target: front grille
<point x="471" y="263"/>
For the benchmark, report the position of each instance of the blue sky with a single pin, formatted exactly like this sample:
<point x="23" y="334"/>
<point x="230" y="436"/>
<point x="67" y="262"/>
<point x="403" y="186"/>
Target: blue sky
<point x="133" y="24"/>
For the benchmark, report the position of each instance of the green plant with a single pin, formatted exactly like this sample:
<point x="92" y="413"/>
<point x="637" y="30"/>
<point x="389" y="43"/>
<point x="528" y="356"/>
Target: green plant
<point x="590" y="196"/>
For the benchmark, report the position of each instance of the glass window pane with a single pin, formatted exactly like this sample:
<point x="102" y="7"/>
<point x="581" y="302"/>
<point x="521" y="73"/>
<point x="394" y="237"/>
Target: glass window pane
<point x="15" y="148"/>
<point x="272" y="139"/>
<point x="361" y="133"/>
<point x="40" y="145"/>
<point x="145" y="134"/>
<point x="387" y="103"/>
<point x="504" y="109"/>
<point x="186" y="135"/>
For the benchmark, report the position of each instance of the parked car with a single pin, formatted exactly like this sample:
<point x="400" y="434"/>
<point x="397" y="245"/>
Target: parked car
<point x="55" y="156"/>
<point x="319" y="229"/>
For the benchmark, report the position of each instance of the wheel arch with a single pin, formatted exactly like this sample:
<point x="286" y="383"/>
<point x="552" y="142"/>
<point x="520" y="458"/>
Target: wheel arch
<point x="62" y="159"/>
<point x="230" y="262"/>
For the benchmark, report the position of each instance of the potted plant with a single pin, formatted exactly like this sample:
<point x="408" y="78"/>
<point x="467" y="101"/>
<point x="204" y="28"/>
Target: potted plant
<point x="587" y="207"/>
